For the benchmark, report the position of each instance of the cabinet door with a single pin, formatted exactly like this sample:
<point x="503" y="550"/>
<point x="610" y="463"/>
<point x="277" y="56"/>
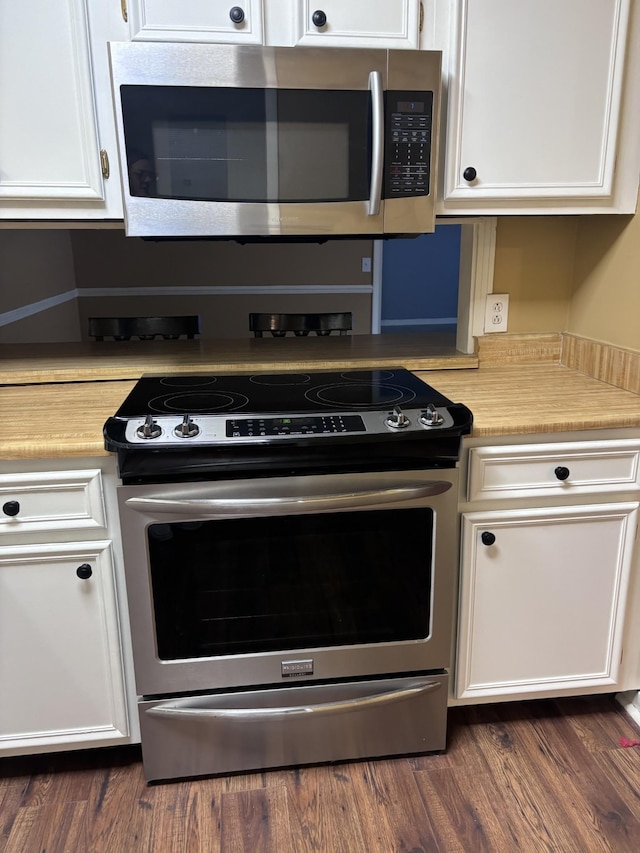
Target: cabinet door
<point x="198" y="21"/>
<point x="542" y="599"/>
<point x="359" y="23"/>
<point x="534" y="103"/>
<point x="49" y="146"/>
<point x="60" y="651"/>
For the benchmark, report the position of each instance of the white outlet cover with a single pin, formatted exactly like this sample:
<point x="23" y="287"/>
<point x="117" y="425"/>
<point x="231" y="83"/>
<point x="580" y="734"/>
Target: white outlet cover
<point x="496" y="314"/>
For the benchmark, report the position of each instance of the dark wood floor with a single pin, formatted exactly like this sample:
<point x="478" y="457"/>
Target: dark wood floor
<point x="532" y="776"/>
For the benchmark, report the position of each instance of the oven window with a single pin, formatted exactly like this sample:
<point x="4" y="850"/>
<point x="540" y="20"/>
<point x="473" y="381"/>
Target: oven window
<point x="295" y="582"/>
<point x="247" y="145"/>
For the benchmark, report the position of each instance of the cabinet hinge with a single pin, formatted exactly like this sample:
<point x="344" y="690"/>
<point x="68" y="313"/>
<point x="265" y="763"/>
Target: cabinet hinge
<point x="421" y="20"/>
<point x="104" y="163"/>
<point x="123" y="9"/>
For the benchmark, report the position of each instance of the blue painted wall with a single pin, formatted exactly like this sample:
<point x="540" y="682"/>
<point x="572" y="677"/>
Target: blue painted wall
<point x="420" y="276"/>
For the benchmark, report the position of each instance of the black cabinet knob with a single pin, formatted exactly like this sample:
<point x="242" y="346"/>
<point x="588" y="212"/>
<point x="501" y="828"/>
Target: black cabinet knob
<point x="488" y="538"/>
<point x="561" y="472"/>
<point x="469" y="174"/>
<point x="319" y="18"/>
<point x="84" y="571"/>
<point x="236" y="13"/>
<point x="11" y="508"/>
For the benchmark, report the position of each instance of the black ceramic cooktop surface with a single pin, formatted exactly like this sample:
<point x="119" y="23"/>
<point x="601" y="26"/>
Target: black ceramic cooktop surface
<point x="279" y="393"/>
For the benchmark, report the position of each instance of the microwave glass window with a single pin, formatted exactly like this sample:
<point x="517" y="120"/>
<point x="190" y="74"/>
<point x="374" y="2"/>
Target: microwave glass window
<point x="247" y="145"/>
<point x="245" y="585"/>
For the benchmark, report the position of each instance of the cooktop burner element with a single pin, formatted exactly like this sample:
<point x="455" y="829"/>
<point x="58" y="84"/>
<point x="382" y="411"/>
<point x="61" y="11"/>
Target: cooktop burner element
<point x="261" y="416"/>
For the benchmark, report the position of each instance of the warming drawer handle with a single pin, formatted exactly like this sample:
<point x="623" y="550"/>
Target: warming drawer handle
<point x="182" y="708"/>
<point x="287" y="505"/>
<point x="377" y="142"/>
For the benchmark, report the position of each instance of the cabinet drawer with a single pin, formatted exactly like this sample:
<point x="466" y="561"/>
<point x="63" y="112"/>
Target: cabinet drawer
<point x="51" y="500"/>
<point x="521" y="471"/>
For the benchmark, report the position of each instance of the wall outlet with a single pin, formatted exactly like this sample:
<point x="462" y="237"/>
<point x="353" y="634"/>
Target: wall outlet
<point x="496" y="312"/>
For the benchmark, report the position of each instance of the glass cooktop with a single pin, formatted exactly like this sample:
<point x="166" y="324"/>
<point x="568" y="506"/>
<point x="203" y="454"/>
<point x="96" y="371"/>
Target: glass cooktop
<point x="279" y="393"/>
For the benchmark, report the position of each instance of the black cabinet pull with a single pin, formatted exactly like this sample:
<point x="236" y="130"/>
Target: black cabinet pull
<point x="488" y="538"/>
<point x="84" y="571"/>
<point x="469" y="174"/>
<point x="319" y="18"/>
<point x="11" y="508"/>
<point x="561" y="472"/>
<point x="236" y="13"/>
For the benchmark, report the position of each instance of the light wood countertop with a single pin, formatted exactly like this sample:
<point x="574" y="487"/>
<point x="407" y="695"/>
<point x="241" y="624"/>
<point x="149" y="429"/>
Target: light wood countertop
<point x="65" y="420"/>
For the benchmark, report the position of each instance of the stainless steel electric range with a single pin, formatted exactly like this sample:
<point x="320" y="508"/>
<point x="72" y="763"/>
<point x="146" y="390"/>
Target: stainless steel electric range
<point x="290" y="546"/>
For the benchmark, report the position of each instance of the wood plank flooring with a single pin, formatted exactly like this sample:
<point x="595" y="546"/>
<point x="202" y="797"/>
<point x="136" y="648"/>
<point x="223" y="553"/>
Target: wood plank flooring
<point x="531" y="776"/>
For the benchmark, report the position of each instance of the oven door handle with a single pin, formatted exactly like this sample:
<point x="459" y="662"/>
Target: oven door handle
<point x="184" y="708"/>
<point x="287" y="504"/>
<point x="377" y="142"/>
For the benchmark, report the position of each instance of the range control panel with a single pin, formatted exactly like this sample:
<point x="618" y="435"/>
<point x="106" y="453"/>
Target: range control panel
<point x="311" y="425"/>
<point x="181" y="430"/>
<point x="408" y="143"/>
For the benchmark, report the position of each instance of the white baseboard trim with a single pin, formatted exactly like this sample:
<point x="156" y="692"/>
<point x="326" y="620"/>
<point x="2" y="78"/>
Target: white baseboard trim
<point x="223" y="290"/>
<point x="422" y="321"/>
<point x="630" y="701"/>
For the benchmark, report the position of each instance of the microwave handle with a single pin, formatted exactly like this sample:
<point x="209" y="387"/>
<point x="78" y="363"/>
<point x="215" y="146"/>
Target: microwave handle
<point x="286" y="505"/>
<point x="377" y="142"/>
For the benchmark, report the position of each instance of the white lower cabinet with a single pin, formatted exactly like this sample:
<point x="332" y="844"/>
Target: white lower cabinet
<point x="548" y="588"/>
<point x="543" y="596"/>
<point x="65" y="658"/>
<point x="60" y="656"/>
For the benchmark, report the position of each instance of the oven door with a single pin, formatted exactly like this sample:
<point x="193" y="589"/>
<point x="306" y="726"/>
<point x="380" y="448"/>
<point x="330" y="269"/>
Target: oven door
<point x="289" y="580"/>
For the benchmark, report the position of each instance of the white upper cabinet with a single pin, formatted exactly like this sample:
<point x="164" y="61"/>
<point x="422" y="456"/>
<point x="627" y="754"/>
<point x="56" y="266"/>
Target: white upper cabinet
<point x="54" y="160"/>
<point x="359" y="23"/>
<point x="536" y="108"/>
<point x="197" y="20"/>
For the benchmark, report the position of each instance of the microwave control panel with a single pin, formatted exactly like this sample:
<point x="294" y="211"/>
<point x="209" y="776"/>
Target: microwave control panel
<point x="408" y="143"/>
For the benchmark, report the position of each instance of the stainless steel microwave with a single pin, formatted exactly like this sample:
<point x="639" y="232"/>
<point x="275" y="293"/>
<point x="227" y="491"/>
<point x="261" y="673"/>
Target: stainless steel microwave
<point x="235" y="141"/>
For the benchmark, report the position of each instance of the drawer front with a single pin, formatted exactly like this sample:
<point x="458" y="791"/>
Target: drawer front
<point x="51" y="500"/>
<point x="520" y="471"/>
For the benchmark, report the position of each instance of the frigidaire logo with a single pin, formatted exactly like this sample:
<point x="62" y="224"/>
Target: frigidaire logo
<point x="296" y="668"/>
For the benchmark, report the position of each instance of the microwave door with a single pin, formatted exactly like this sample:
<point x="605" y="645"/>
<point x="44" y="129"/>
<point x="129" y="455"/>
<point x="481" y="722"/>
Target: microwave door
<point x="287" y="141"/>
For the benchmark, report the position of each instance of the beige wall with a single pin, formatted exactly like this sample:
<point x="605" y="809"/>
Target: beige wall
<point x="37" y="265"/>
<point x="34" y="265"/>
<point x="109" y="259"/>
<point x="534" y="264"/>
<point x="577" y="274"/>
<point x="606" y="296"/>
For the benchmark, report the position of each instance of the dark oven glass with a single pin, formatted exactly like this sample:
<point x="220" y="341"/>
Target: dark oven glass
<point x="247" y="145"/>
<point x="295" y="582"/>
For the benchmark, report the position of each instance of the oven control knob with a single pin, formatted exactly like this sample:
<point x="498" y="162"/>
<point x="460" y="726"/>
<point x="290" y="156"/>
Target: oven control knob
<point x="397" y="419"/>
<point x="431" y="417"/>
<point x="187" y="429"/>
<point x="149" y="429"/>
